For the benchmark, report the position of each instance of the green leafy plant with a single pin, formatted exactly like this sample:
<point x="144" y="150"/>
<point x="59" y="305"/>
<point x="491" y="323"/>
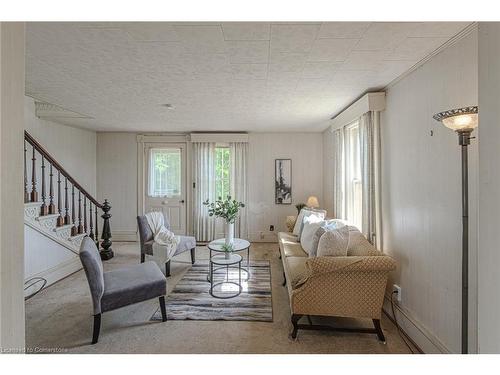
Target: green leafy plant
<point x="228" y="248"/>
<point x="225" y="208"/>
<point x="300" y="206"/>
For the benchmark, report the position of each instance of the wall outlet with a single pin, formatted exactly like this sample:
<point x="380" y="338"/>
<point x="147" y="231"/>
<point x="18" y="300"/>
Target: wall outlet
<point x="271" y="228"/>
<point x="397" y="288"/>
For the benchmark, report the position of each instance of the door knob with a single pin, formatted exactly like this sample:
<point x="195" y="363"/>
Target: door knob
<point x="181" y="201"/>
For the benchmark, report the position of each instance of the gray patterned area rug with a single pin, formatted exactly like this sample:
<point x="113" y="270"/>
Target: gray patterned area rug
<point x="191" y="300"/>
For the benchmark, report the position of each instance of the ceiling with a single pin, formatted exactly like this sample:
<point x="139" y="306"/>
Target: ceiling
<point x="218" y="76"/>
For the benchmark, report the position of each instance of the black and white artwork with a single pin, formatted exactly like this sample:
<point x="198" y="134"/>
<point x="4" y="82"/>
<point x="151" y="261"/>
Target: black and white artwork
<point x="283" y="181"/>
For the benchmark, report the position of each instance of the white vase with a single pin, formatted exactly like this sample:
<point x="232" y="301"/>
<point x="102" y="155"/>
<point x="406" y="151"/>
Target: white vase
<point x="229" y="233"/>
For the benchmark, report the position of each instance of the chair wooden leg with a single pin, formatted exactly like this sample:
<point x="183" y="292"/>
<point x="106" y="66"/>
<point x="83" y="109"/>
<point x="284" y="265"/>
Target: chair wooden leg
<point x="193" y="255"/>
<point x="295" y="320"/>
<point x="167" y="269"/>
<point x="143" y="257"/>
<point x="97" y="328"/>
<point x="378" y="328"/>
<point x="163" y="309"/>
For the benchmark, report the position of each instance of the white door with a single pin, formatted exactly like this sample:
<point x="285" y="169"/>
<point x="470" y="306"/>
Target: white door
<point x="165" y="185"/>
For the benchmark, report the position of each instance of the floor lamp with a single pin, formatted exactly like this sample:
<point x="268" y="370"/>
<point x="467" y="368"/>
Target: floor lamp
<point x="463" y="121"/>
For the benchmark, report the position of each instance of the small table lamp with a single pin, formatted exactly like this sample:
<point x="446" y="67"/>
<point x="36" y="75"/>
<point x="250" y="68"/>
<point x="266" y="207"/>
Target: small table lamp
<point x="312" y="202"/>
<point x="463" y="121"/>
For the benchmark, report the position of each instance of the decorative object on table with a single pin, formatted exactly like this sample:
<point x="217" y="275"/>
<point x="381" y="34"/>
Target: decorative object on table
<point x="228" y="249"/>
<point x="146" y="237"/>
<point x="312" y="202"/>
<point x="290" y="222"/>
<point x="228" y="287"/>
<point x="227" y="209"/>
<point x="300" y="206"/>
<point x="190" y="299"/>
<point x="283" y="181"/>
<point x="463" y="121"/>
<point x="239" y="245"/>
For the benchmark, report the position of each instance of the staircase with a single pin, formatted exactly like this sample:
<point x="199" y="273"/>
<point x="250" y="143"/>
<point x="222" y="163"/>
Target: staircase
<point x="58" y="214"/>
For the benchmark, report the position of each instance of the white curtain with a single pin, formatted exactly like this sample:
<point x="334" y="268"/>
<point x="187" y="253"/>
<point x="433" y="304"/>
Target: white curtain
<point x="369" y="133"/>
<point x="239" y="188"/>
<point x="338" y="174"/>
<point x="204" y="188"/>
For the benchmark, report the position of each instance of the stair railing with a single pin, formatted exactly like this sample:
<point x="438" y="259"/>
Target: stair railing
<point x="71" y="210"/>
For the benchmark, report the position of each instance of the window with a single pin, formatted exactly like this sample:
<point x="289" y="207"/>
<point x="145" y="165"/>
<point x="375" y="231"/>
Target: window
<point x="353" y="175"/>
<point x="222" y="172"/>
<point x="165" y="172"/>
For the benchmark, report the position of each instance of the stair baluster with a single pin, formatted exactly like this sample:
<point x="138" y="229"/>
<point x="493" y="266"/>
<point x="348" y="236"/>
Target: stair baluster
<point x="106" y="252"/>
<point x="34" y="193"/>
<point x="52" y="207"/>
<point x="67" y="219"/>
<point x="91" y="233"/>
<point x="84" y="214"/>
<point x="60" y="220"/>
<point x="96" y="230"/>
<point x="43" y="207"/>
<point x="26" y="194"/>
<point x="73" y="228"/>
<point x="80" y="226"/>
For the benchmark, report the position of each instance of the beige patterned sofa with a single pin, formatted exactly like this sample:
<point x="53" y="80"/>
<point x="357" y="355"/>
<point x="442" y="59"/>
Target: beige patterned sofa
<point x="351" y="286"/>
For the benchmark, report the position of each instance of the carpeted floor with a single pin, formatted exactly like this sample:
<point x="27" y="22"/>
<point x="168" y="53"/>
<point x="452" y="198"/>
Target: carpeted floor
<point x="60" y="317"/>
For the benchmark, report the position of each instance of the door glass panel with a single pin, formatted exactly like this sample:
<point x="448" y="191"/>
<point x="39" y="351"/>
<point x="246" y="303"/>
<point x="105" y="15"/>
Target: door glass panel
<point x="164" y="172"/>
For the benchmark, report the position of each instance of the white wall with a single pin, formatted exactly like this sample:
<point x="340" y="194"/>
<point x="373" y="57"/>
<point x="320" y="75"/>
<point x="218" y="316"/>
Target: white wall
<point x="421" y="195"/>
<point x="306" y="152"/>
<point x="117" y="181"/>
<point x="11" y="193"/>
<point x="117" y="178"/>
<point x="489" y="188"/>
<point x="73" y="148"/>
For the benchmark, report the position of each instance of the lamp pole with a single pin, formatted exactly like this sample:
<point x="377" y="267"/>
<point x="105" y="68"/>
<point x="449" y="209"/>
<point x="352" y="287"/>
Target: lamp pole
<point x="463" y="121"/>
<point x="464" y="141"/>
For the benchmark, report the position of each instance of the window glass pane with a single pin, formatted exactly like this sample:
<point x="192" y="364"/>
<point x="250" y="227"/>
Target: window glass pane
<point x="353" y="176"/>
<point x="222" y="171"/>
<point x="165" y="172"/>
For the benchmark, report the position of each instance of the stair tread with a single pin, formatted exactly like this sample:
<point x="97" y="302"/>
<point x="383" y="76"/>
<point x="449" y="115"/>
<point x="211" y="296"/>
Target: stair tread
<point x="62" y="227"/>
<point x="47" y="217"/>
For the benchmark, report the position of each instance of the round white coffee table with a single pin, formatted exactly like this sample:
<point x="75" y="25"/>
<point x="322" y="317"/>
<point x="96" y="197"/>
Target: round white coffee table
<point x="239" y="245"/>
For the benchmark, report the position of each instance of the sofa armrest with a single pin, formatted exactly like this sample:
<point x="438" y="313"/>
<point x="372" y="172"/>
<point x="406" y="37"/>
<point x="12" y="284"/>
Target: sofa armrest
<point x="321" y="265"/>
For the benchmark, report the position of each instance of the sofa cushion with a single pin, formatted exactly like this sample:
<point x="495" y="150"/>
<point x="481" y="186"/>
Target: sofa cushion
<point x="334" y="242"/>
<point x="305" y="212"/>
<point x="311" y="224"/>
<point x="297" y="271"/>
<point x="359" y="245"/>
<point x="289" y="246"/>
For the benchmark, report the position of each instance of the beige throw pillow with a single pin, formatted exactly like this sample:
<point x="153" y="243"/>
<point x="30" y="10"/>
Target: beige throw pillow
<point x="311" y="224"/>
<point x="334" y="242"/>
<point x="300" y="218"/>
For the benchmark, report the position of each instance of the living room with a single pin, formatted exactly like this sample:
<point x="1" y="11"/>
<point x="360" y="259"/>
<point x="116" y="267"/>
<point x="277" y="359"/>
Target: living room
<point x="250" y="186"/>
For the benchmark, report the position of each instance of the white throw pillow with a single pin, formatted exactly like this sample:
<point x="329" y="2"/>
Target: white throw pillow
<point x="311" y="224"/>
<point x="334" y="242"/>
<point x="300" y="218"/>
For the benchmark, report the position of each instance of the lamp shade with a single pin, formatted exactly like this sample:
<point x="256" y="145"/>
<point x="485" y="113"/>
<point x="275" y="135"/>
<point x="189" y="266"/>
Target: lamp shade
<point x="312" y="202"/>
<point x="459" y="119"/>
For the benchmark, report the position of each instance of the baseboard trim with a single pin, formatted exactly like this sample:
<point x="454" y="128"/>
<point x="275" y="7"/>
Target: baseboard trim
<point x="425" y="341"/>
<point x="59" y="272"/>
<point x="124" y="235"/>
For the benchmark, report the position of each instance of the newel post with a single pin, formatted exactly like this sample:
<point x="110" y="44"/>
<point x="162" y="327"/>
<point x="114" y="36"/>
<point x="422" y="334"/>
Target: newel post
<point x="106" y="252"/>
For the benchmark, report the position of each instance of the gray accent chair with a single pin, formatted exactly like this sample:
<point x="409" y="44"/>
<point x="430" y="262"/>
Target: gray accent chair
<point x="118" y="288"/>
<point x="146" y="239"/>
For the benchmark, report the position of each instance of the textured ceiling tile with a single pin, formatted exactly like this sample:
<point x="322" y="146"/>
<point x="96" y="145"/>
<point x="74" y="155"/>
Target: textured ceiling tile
<point x="201" y="39"/>
<point x="293" y="38"/>
<point x="335" y="50"/>
<point x="364" y="60"/>
<point x="319" y="69"/>
<point x="415" y="48"/>
<point x="246" y="30"/>
<point x="343" y="29"/>
<point x="437" y="29"/>
<point x="247" y="52"/>
<point x="384" y="35"/>
<point x="249" y="71"/>
<point x="151" y="32"/>
<point x="277" y="57"/>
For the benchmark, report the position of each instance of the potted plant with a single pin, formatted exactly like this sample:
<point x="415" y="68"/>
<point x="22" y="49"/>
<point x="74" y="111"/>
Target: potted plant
<point x="228" y="249"/>
<point x="227" y="209"/>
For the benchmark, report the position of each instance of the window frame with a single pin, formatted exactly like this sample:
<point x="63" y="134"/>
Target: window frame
<point x="353" y="177"/>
